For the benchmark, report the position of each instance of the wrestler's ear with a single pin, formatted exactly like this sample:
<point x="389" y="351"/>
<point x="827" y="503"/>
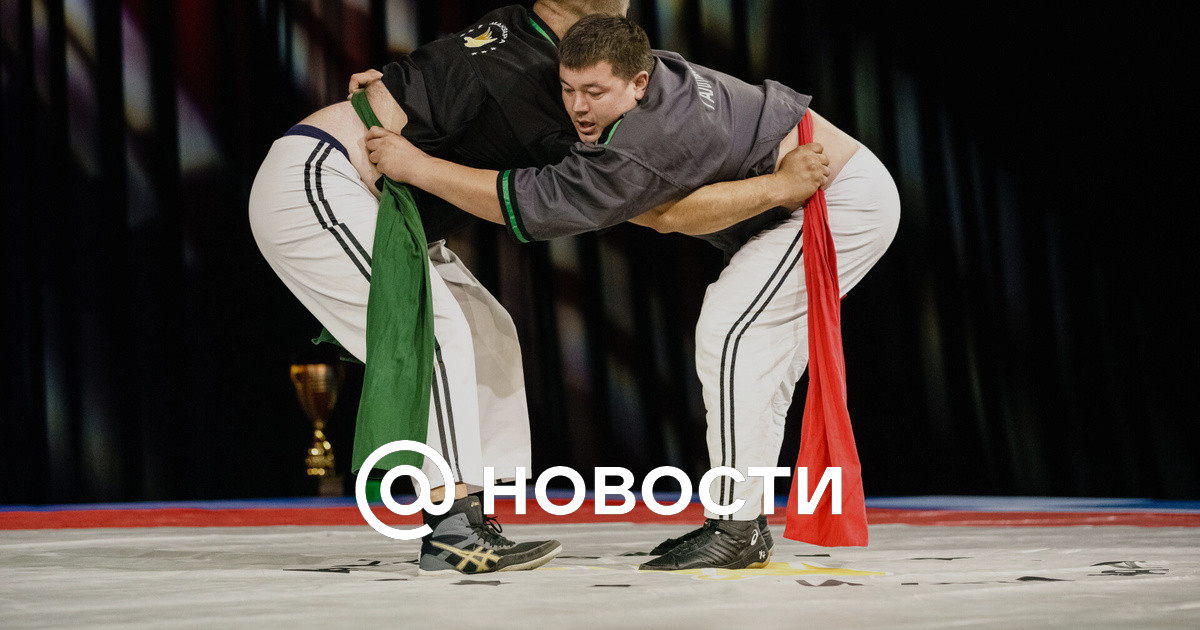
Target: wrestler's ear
<point x="640" y="81"/>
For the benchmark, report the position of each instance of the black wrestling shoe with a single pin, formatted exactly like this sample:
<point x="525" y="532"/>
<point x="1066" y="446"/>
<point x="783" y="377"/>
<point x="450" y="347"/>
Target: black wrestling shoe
<point x="465" y="541"/>
<point x="719" y="545"/>
<point x="671" y="543"/>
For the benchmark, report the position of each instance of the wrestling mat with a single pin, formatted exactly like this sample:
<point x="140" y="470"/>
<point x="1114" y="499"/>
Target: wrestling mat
<point x="933" y="562"/>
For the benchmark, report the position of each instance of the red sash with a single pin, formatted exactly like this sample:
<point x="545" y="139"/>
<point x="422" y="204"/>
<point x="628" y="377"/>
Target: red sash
<point x="826" y="437"/>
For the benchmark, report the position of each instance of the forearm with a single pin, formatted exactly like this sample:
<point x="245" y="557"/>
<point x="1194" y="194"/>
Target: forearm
<point x="472" y="189"/>
<point x="391" y="116"/>
<point x="715" y="207"/>
<point x="798" y="176"/>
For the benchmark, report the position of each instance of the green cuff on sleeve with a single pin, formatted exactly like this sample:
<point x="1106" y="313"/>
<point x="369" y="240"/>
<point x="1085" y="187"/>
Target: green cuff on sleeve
<point x="505" y="189"/>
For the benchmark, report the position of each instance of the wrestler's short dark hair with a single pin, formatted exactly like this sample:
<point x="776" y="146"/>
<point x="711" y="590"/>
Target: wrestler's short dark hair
<point x="611" y="38"/>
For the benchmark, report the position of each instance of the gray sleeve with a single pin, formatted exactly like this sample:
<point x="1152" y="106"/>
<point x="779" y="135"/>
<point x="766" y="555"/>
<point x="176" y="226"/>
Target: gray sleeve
<point x="593" y="188"/>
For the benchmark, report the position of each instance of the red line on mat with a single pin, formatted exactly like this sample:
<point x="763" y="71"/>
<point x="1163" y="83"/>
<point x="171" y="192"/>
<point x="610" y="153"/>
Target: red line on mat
<point x="957" y="518"/>
<point x="341" y="516"/>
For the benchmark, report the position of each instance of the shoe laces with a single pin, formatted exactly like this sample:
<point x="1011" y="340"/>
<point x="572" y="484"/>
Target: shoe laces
<point x="489" y="531"/>
<point x="707" y="531"/>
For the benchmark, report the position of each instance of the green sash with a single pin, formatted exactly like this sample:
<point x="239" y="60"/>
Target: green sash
<point x="399" y="362"/>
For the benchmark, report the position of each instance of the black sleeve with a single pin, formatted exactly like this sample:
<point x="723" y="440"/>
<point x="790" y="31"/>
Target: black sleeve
<point x="439" y="92"/>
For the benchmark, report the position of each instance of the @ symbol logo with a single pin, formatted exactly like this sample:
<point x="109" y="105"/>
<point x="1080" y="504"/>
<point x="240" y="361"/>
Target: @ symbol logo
<point x="420" y="483"/>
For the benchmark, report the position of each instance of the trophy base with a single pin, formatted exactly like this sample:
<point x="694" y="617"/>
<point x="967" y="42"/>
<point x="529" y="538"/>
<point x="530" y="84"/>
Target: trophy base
<point x="328" y="485"/>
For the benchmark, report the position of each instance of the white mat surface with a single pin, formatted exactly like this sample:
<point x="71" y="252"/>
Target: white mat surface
<point x="351" y="577"/>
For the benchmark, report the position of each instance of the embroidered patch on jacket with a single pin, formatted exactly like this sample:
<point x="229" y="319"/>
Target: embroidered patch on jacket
<point x="485" y="37"/>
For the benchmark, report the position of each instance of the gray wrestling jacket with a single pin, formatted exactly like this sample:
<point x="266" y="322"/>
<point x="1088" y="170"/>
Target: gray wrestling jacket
<point x="693" y="127"/>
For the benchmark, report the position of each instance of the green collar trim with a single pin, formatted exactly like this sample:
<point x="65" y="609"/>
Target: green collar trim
<point x="608" y="136"/>
<point x="542" y="29"/>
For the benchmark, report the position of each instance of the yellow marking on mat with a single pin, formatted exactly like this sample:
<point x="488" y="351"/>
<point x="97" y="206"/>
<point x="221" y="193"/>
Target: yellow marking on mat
<point x="775" y="569"/>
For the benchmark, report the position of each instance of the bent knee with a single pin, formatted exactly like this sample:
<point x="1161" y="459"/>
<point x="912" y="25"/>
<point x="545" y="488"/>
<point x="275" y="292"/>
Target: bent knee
<point x="888" y="212"/>
<point x="712" y="329"/>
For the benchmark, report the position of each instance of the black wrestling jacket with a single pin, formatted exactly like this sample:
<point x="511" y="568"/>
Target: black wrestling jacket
<point x="486" y="97"/>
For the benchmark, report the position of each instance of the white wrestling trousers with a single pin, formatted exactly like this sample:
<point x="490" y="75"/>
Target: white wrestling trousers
<point x="314" y="221"/>
<point x="752" y="336"/>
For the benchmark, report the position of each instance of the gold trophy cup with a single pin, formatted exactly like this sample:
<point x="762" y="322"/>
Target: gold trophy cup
<point x="317" y="386"/>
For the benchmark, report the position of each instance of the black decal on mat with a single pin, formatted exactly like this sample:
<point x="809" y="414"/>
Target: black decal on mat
<point x="346" y="568"/>
<point x="1127" y="568"/>
<point x="478" y="583"/>
<point x="950" y="558"/>
<point x="611" y="585"/>
<point x="1129" y="572"/>
<point x="828" y="583"/>
<point x="1034" y="578"/>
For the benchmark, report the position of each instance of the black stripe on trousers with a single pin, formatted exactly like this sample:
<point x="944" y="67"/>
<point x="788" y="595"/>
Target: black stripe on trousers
<point x="733" y="358"/>
<point x="441" y="423"/>
<point x="329" y="209"/>
<point x="312" y="179"/>
<point x="443" y="430"/>
<point x="437" y="349"/>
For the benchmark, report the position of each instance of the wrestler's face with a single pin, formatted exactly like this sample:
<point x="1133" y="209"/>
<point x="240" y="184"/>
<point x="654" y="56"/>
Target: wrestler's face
<point x="595" y="97"/>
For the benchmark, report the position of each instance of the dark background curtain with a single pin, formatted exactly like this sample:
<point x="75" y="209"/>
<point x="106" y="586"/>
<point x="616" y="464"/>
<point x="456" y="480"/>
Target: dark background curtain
<point x="1027" y="333"/>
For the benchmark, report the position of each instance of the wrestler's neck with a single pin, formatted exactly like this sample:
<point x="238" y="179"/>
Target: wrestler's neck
<point x="555" y="16"/>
